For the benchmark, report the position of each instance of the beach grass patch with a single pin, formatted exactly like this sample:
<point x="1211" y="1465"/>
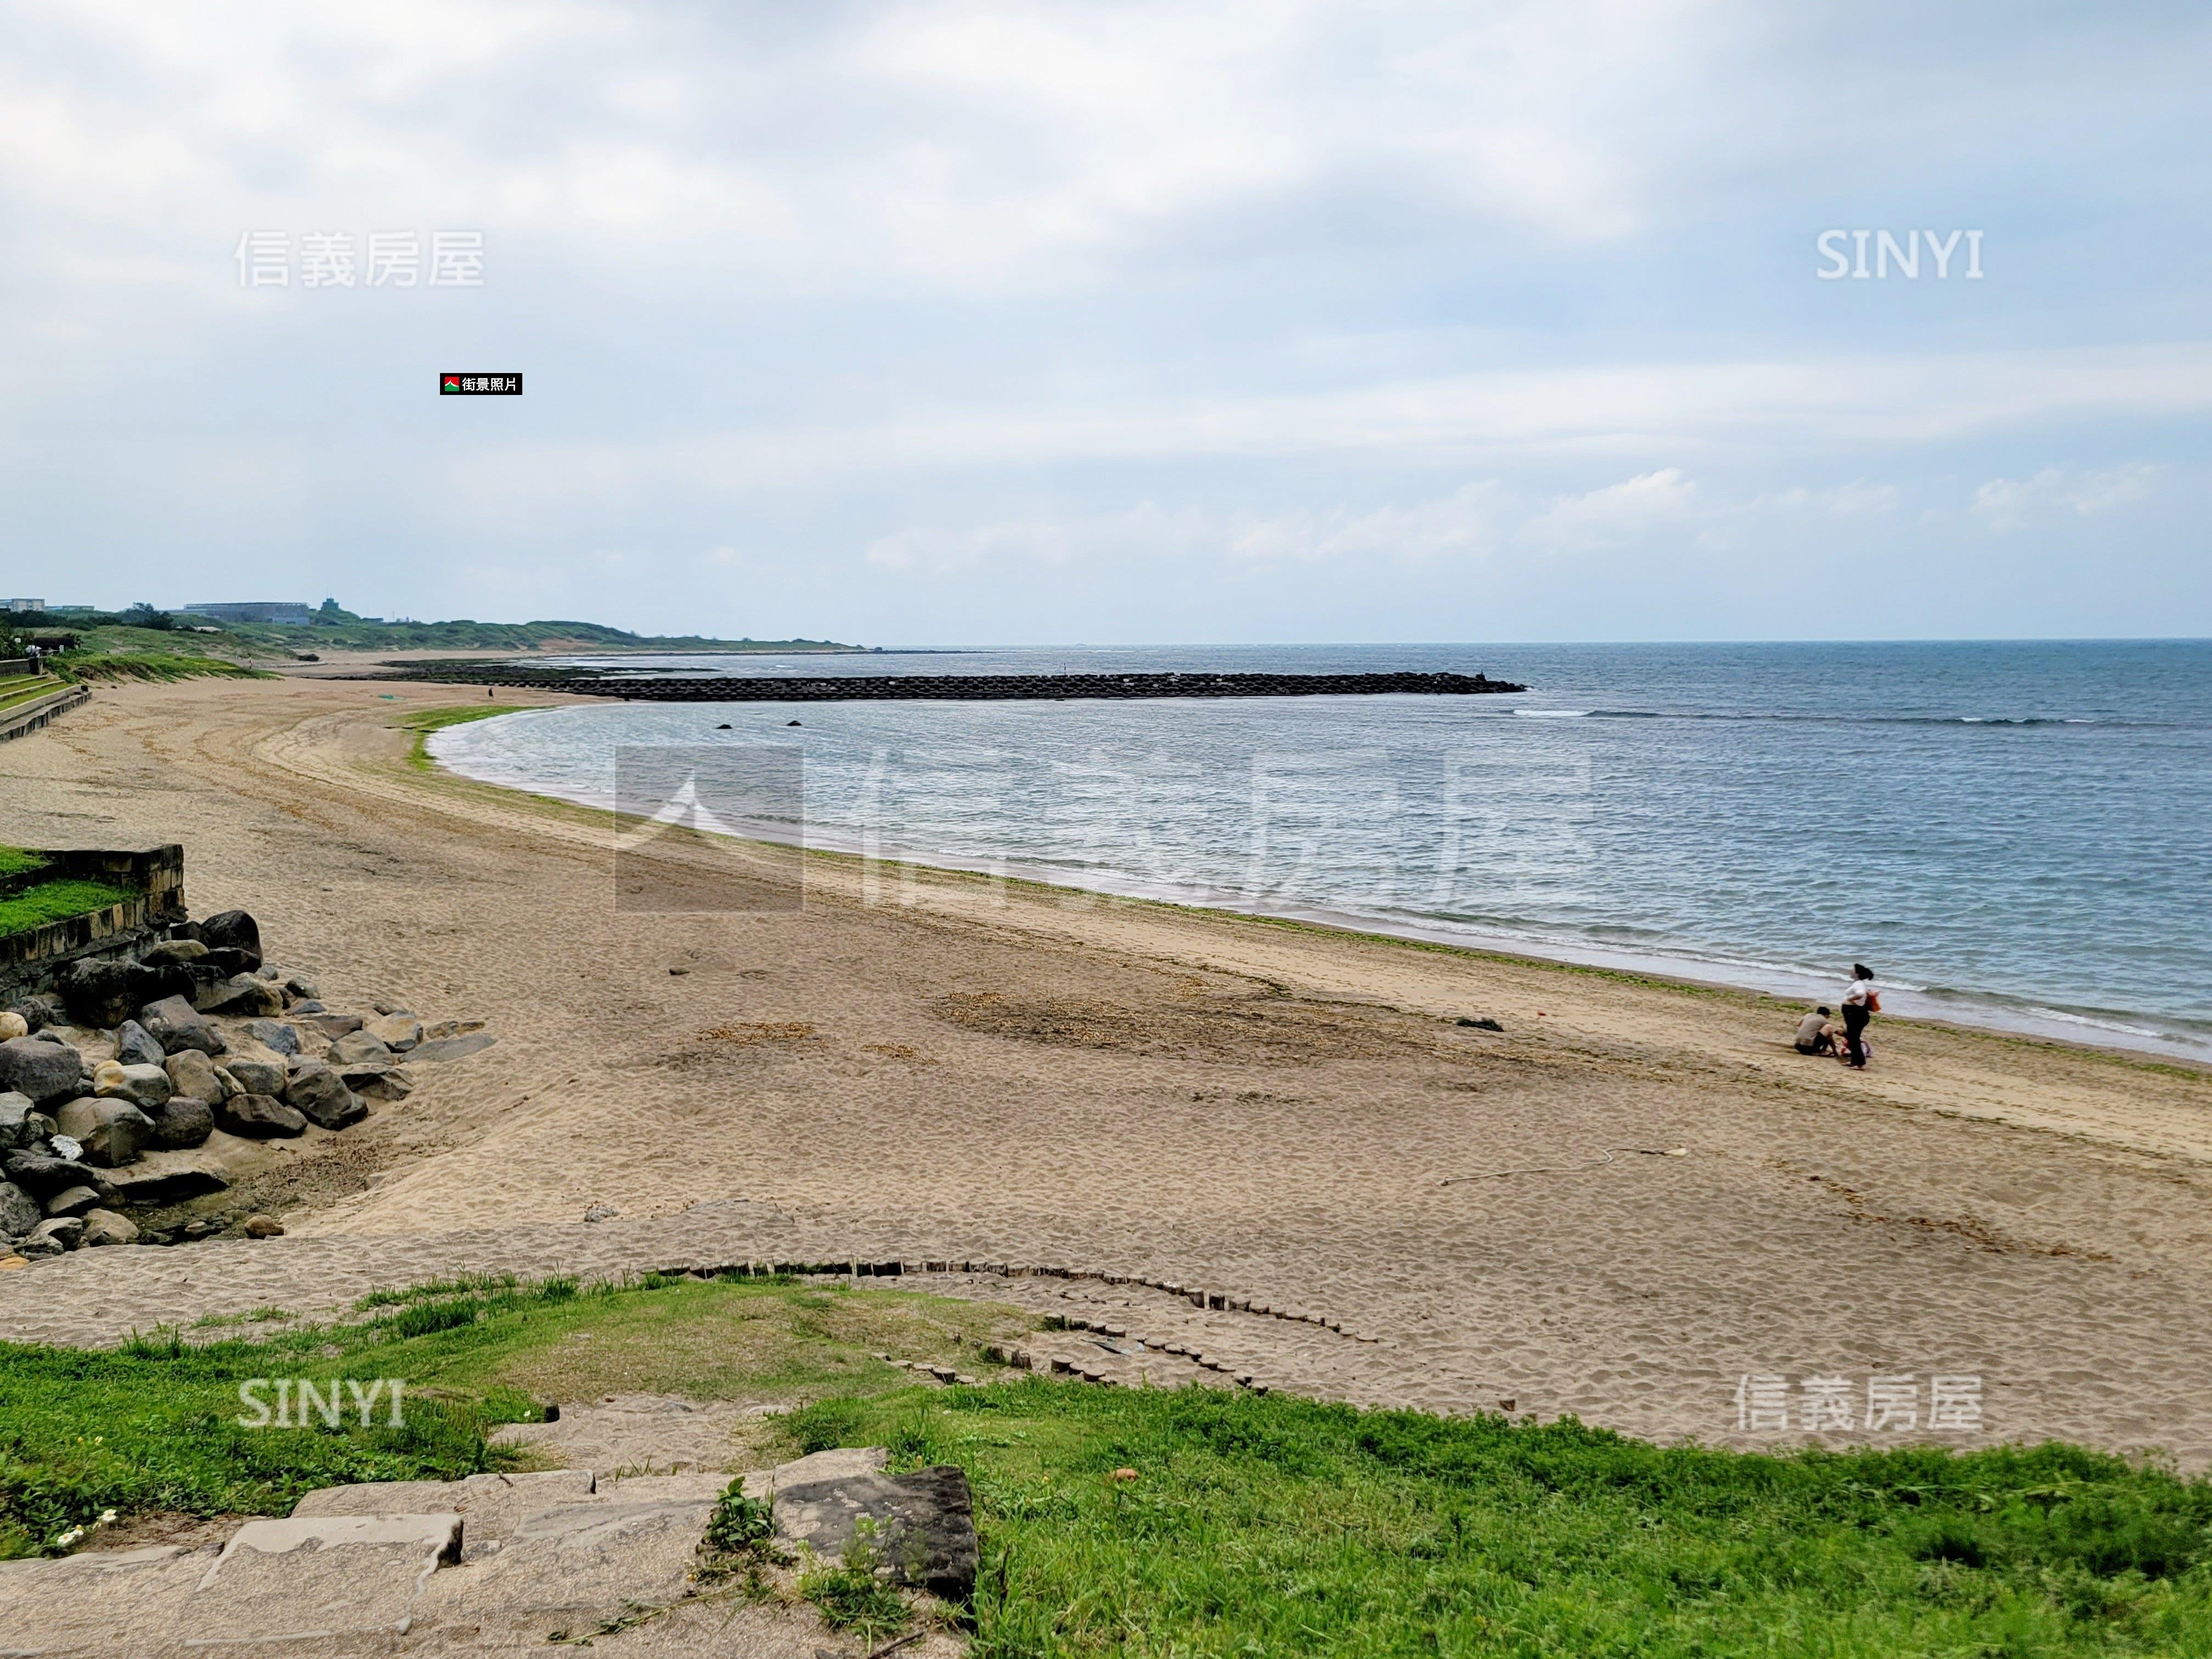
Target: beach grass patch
<point x="21" y="860"/>
<point x="56" y="901"/>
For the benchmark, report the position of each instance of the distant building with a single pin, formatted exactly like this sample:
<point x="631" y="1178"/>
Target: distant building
<point x="17" y="607"/>
<point x="256" y="610"/>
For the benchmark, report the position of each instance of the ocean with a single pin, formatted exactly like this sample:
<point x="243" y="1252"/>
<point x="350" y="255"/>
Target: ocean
<point x="2015" y="834"/>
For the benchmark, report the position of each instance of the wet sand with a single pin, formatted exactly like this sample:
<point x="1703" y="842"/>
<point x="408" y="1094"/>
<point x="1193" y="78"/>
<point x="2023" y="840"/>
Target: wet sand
<point x="934" y="1065"/>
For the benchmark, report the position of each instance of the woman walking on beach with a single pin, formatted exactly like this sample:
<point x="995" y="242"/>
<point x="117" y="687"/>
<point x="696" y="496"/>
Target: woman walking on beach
<point x="1862" y="1002"/>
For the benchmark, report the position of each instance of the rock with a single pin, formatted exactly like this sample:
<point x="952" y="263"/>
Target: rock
<point x="72" y="1201"/>
<point x="330" y="1025"/>
<point x="62" y="1230"/>
<point x="105" y="1227"/>
<point x="133" y="1047"/>
<point x="19" y="1211"/>
<point x="176" y="950"/>
<point x="42" y="1175"/>
<point x="924" y="1523"/>
<point x="309" y="1006"/>
<point x="233" y="930"/>
<point x="261" y="1226"/>
<point x="38" y="1245"/>
<point x="36" y="1011"/>
<point x="301" y="987"/>
<point x="164" y="1177"/>
<point x="13" y="1025"/>
<point x="184" y="1120"/>
<point x="257" y="1076"/>
<point x="192" y="1072"/>
<point x="244" y="996"/>
<point x="273" y="1035"/>
<point x="318" y="1092"/>
<point x="601" y="1212"/>
<point x="358" y="1046"/>
<point x="198" y="1229"/>
<point x="43" y="1071"/>
<point x="21" y="1122"/>
<point x="112" y="1131"/>
<point x="177" y="1025"/>
<point x="258" y="1117"/>
<point x="451" y="1027"/>
<point x="397" y="1031"/>
<point x="453" y="1047"/>
<point x="371" y="1081"/>
<point x="143" y="1086"/>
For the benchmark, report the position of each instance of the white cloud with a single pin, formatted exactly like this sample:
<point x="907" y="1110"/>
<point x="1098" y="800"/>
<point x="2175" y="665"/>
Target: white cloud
<point x="2004" y="504"/>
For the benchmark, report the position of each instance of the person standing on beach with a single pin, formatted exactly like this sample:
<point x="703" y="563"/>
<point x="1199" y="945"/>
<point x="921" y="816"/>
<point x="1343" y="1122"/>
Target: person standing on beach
<point x="1862" y="1002"/>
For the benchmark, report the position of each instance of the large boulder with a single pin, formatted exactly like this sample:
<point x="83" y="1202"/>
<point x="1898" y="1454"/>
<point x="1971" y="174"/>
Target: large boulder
<point x="330" y="1025"/>
<point x="244" y="996"/>
<point x="134" y="1046"/>
<point x="170" y="1178"/>
<point x="19" y="1211"/>
<point x="21" y="1122"/>
<point x="359" y="1046"/>
<point x="233" y="930"/>
<point x="104" y="992"/>
<point x="43" y="1071"/>
<point x="176" y="950"/>
<point x="105" y="1227"/>
<point x="42" y="1175"/>
<point x="72" y="1201"/>
<point x="321" y="1094"/>
<point x="177" y="1025"/>
<point x="274" y="1035"/>
<point x="255" y="1076"/>
<point x="143" y="1086"/>
<point x="192" y="1072"/>
<point x="258" y="1117"/>
<point x="111" y="1131"/>
<point x="374" y="1080"/>
<point x="184" y="1120"/>
<point x="53" y="1237"/>
<point x="13" y="1025"/>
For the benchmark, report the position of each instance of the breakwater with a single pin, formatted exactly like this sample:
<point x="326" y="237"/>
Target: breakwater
<point x="964" y="688"/>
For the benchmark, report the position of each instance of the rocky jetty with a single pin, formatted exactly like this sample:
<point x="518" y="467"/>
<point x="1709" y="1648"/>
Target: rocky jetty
<point x="122" y="1087"/>
<point x="960" y="688"/>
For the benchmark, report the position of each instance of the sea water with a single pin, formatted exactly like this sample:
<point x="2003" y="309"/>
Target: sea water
<point x="2012" y="834"/>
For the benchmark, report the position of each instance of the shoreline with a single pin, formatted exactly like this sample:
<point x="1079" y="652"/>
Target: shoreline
<point x="935" y="1065"/>
<point x="1989" y="1013"/>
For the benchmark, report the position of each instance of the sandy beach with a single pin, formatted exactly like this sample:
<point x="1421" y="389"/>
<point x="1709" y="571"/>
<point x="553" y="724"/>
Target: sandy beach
<point x="930" y="1065"/>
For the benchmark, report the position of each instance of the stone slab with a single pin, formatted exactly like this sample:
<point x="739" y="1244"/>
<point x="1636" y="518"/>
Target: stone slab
<point x="492" y="1506"/>
<point x="105" y="1602"/>
<point x="316" y="1578"/>
<point x="924" y="1524"/>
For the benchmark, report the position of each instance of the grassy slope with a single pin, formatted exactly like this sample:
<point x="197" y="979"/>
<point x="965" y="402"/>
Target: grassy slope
<point x="352" y="633"/>
<point x="52" y="901"/>
<point x="171" y="664"/>
<point x="1251" y="1525"/>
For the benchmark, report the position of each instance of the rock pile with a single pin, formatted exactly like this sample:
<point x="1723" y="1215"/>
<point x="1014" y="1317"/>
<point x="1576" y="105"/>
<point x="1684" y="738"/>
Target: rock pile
<point x="113" y="1089"/>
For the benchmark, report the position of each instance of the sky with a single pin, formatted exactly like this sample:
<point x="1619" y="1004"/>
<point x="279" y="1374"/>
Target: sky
<point x="942" y="324"/>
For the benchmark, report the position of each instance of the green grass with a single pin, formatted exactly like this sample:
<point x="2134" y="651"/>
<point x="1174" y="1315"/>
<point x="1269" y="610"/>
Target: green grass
<point x="424" y="721"/>
<point x="21" y="860"/>
<point x="1248" y="1526"/>
<point x="52" y="901"/>
<point x="154" y="664"/>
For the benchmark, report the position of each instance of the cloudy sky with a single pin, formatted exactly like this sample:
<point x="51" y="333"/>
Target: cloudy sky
<point x="943" y="323"/>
